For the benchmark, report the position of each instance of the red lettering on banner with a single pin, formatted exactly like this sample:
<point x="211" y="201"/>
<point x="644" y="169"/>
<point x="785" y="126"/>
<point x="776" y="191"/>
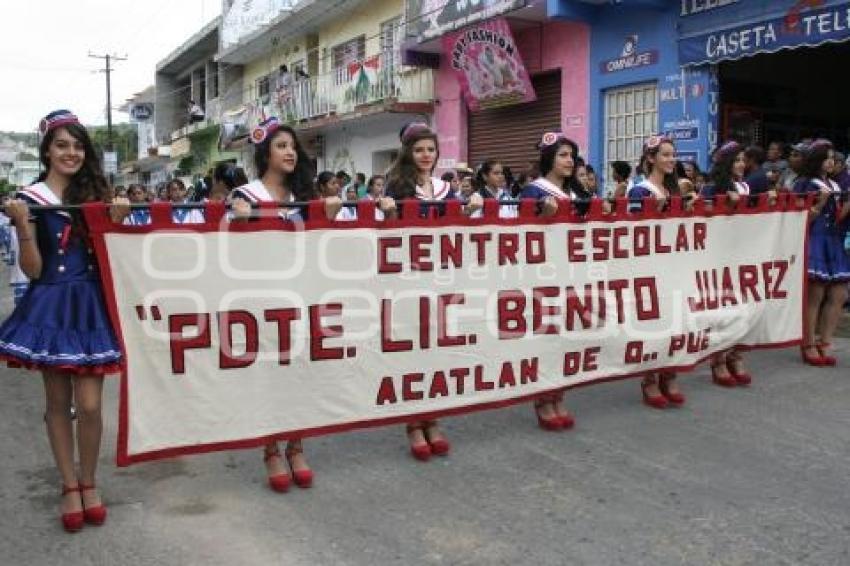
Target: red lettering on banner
<point x="226" y="321"/>
<point x="660" y="246"/>
<point x="646" y="311"/>
<point x="180" y="343"/>
<point x="749" y="278"/>
<point x="438" y="386"/>
<point x="700" y="232"/>
<point x="727" y="294"/>
<point x="535" y="248"/>
<point x="508" y="245"/>
<point x="384" y="264"/>
<point x="407" y="392"/>
<point x="424" y="323"/>
<point x="585" y="360"/>
<point x="641" y="241"/>
<point x="387" y="342"/>
<point x="444" y="340"/>
<point x="386" y="392"/>
<point x="506" y="376"/>
<point x="692" y="342"/>
<point x="459" y="374"/>
<point x="482" y="384"/>
<point x="451" y="250"/>
<point x="782" y="268"/>
<point x="575" y="246"/>
<point x="284" y="319"/>
<point x="529" y="370"/>
<point x="319" y="332"/>
<point x="620" y="252"/>
<point x="600" y="238"/>
<point x="511" y="321"/>
<point x="617" y="286"/>
<point x="480" y="239"/>
<point x="682" y="239"/>
<point x="420" y="248"/>
<point x="539" y="310"/>
<point x="575" y="309"/>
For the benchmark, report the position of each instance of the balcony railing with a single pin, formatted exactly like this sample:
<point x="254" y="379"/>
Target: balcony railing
<point x="377" y="79"/>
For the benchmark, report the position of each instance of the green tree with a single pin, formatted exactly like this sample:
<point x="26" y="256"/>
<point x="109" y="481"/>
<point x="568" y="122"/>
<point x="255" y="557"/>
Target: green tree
<point x="124" y="140"/>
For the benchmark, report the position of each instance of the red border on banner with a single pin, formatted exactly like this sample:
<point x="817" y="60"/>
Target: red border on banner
<point x="100" y="224"/>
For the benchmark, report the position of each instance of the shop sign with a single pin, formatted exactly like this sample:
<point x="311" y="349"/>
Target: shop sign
<point x="141" y="112"/>
<point x="488" y="65"/>
<point x="629" y="57"/>
<point x="806" y="23"/>
<point x="691" y="7"/>
<point x="678" y="130"/>
<point x="432" y="18"/>
<point x="688" y="156"/>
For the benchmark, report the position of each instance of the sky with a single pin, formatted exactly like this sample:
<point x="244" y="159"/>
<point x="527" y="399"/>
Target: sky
<point x="45" y="47"/>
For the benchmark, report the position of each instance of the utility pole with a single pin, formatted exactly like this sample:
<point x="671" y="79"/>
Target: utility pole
<point x="108" y="59"/>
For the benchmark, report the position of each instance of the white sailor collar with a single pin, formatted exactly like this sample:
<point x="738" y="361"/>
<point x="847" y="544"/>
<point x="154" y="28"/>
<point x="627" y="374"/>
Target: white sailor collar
<point x="551" y="188"/>
<point x="441" y="190"/>
<point x="41" y="193"/>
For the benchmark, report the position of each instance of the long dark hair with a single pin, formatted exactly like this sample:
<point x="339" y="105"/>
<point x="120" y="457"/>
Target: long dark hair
<point x="816" y="154"/>
<point x="721" y="170"/>
<point x="86" y="185"/>
<point x="483" y="170"/>
<point x="402" y="176"/>
<point x="547" y="162"/>
<point x="323" y="179"/>
<point x="300" y="181"/>
<point x="670" y="181"/>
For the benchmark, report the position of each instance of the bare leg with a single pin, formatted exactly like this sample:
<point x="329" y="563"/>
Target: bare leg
<point x="295" y="454"/>
<point x="836" y="296"/>
<point x="88" y="394"/>
<point x="57" y="389"/>
<point x="814" y="299"/>
<point x="274" y="463"/>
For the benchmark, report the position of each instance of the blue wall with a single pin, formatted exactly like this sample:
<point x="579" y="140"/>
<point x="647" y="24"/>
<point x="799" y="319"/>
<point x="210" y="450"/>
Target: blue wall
<point x="683" y="110"/>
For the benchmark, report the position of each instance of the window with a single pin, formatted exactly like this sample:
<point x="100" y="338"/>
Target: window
<point x="263" y="89"/>
<point x="345" y="53"/>
<point x="391" y="34"/>
<point x="631" y="116"/>
<point x="214" y="86"/>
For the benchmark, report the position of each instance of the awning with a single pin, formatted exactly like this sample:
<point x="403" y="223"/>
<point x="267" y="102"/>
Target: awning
<point x="710" y="32"/>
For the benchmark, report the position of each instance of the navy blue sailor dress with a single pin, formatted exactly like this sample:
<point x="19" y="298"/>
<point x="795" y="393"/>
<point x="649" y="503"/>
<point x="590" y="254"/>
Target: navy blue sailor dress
<point x="61" y="323"/>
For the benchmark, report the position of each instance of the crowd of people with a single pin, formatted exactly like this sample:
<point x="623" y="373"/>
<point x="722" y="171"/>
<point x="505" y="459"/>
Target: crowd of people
<point x="74" y="346"/>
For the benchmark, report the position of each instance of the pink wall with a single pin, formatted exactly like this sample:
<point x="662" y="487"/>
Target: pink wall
<point x="564" y="45"/>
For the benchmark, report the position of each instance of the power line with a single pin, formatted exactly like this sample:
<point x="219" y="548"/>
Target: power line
<point x="108" y="58"/>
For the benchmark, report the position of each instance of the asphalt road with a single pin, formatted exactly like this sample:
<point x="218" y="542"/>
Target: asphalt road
<point x="745" y="476"/>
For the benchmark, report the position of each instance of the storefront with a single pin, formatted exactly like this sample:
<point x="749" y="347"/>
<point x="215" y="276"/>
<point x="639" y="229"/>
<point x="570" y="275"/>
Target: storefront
<point x="638" y="88"/>
<point x="554" y="57"/>
<point x="779" y="66"/>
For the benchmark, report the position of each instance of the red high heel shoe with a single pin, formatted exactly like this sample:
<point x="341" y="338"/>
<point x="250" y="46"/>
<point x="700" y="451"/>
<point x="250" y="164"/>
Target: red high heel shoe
<point x="439" y="446"/>
<point x="722" y="380"/>
<point x="826" y="360"/>
<point x="567" y="420"/>
<point x="816" y="361"/>
<point x="421" y="450"/>
<point x="303" y="478"/>
<point x="277" y="482"/>
<point x="93" y="515"/>
<point x="72" y="522"/>
<point x="741" y="377"/>
<point x="547" y="423"/>
<point x="654" y="401"/>
<point x="678" y="398"/>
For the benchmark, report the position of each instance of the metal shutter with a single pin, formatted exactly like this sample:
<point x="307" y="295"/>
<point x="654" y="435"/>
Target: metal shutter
<point x="511" y="134"/>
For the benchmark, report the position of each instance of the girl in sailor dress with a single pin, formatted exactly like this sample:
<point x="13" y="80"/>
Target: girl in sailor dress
<point x="284" y="175"/>
<point x="727" y="177"/>
<point x="61" y="327"/>
<point x="327" y="185"/>
<point x="137" y="216"/>
<point x="411" y="177"/>
<point x="828" y="263"/>
<point x="490" y="184"/>
<point x="176" y="192"/>
<point x="658" y="167"/>
<point x="557" y="184"/>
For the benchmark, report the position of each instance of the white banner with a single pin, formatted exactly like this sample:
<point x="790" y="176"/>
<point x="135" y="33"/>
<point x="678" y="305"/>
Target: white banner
<point x="236" y="334"/>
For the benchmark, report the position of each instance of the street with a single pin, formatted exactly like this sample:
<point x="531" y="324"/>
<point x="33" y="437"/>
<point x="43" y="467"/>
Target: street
<point x="744" y="476"/>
